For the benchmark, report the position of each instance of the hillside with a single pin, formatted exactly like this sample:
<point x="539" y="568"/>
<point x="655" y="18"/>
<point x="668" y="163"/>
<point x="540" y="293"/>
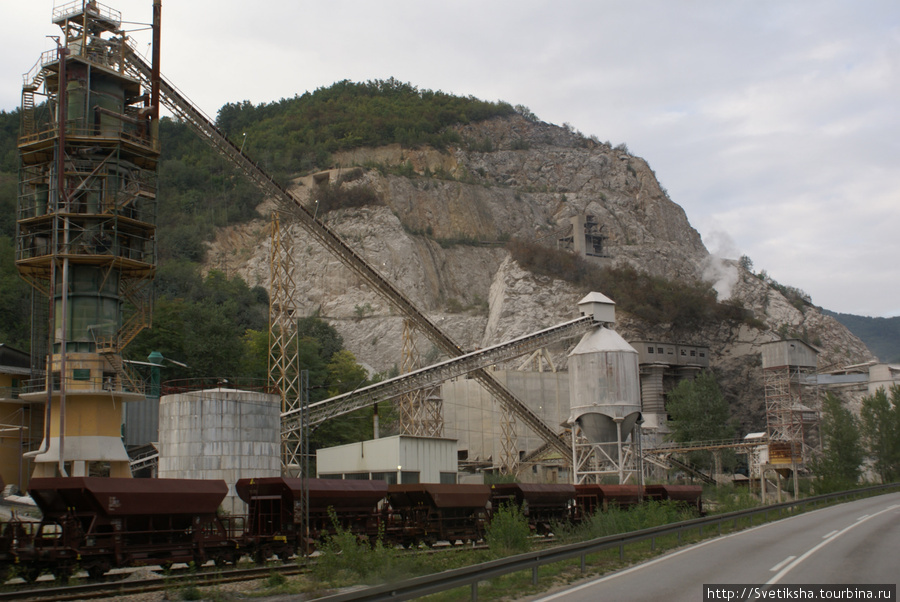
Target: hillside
<point x="462" y="204"/>
<point x="881" y="335"/>
<point x="443" y="225"/>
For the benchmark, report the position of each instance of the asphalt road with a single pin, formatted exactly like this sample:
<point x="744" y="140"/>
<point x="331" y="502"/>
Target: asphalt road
<point x="852" y="543"/>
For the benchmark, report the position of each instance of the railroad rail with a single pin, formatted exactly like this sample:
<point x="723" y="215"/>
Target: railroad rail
<point x="178" y="103"/>
<point x="117" y="588"/>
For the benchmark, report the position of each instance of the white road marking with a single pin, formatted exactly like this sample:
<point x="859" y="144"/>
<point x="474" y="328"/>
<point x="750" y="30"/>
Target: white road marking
<point x="816" y="548"/>
<point x="638" y="567"/>
<point x="778" y="566"/>
<point x="863" y="516"/>
<point x="659" y="559"/>
<point x="829" y="535"/>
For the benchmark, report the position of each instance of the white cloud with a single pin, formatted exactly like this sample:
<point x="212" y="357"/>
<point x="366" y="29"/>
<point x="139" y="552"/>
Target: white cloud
<point x="775" y="121"/>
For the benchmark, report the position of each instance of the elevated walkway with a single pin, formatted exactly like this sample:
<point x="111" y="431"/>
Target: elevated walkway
<point x="434" y="375"/>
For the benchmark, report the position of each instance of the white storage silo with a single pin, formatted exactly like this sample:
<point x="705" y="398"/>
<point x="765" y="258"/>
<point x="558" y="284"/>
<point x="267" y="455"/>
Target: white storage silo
<point x="604" y="384"/>
<point x="220" y="433"/>
<point x="605" y="391"/>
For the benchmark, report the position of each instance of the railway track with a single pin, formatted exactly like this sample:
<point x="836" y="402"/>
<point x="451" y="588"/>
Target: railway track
<point x="119" y="585"/>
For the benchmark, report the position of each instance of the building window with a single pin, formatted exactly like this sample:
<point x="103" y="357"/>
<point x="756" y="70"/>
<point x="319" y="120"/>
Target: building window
<point x="448" y="478"/>
<point x="649" y="349"/>
<point x="388" y="477"/>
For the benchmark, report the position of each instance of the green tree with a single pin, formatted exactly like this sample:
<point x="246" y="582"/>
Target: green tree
<point x="880" y="416"/>
<point x="15" y="300"/>
<point x="839" y="465"/>
<point x="313" y="327"/>
<point x="699" y="412"/>
<point x="255" y="361"/>
<point x="203" y="323"/>
<point x="344" y="374"/>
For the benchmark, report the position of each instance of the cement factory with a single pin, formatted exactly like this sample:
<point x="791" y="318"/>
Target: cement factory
<point x="75" y="409"/>
<point x="86" y="242"/>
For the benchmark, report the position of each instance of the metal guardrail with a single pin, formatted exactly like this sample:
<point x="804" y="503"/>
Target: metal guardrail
<point x="9" y="392"/>
<point x="472" y="575"/>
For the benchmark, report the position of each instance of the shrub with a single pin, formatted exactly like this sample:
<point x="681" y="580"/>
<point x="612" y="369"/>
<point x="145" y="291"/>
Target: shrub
<point x="334" y="196"/>
<point x="653" y="299"/>
<point x="348" y="558"/>
<point x="276" y="579"/>
<point x="508" y="532"/>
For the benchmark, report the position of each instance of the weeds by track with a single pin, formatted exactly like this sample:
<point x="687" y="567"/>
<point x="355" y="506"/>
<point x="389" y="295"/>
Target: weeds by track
<point x="111" y="587"/>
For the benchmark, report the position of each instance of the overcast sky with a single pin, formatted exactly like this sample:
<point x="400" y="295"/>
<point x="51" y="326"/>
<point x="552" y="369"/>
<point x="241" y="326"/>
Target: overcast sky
<point x="773" y="123"/>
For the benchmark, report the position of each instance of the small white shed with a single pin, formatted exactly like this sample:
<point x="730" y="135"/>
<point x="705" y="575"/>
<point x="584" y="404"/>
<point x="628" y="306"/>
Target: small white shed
<point x="401" y="457"/>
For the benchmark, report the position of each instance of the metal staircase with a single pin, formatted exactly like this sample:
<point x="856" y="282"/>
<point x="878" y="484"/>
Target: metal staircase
<point x="127" y="381"/>
<point x="33" y="81"/>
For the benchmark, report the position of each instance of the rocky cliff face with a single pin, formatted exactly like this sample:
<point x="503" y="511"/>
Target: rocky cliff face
<point x="438" y="238"/>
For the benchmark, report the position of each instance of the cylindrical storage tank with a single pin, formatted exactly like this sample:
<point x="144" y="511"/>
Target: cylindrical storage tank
<point x="220" y="433"/>
<point x="604" y="386"/>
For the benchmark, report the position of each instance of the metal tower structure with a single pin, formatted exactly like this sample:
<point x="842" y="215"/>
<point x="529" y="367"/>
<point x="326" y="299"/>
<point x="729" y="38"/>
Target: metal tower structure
<point x="86" y="233"/>
<point x="408" y="403"/>
<point x="421" y="411"/>
<point x="284" y="364"/>
<point x="789" y="378"/>
<point x="509" y="442"/>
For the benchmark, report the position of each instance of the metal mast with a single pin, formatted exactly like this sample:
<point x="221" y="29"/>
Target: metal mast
<point x="284" y="364"/>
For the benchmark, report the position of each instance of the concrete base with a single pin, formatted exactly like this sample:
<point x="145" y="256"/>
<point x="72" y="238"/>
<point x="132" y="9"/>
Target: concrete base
<point x="79" y="452"/>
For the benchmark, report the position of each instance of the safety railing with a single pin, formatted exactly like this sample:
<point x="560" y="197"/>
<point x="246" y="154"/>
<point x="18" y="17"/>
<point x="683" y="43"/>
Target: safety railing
<point x="98" y="133"/>
<point x="190" y="385"/>
<point x="9" y="392"/>
<point x="95" y="9"/>
<point x="87" y="376"/>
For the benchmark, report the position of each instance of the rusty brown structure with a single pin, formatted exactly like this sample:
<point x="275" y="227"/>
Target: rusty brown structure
<point x="432" y="512"/>
<point x="86" y="233"/>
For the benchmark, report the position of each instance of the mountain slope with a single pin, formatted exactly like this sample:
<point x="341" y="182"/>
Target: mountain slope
<point x="881" y="335"/>
<point x="434" y="222"/>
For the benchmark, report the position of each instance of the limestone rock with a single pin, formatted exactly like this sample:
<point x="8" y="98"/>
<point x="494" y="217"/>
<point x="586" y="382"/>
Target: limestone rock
<point x="438" y="237"/>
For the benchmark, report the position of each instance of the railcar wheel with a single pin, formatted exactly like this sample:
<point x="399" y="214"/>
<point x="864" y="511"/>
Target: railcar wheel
<point x="220" y="560"/>
<point x="62" y="573"/>
<point x="284" y="555"/>
<point x="260" y="556"/>
<point x="29" y="573"/>
<point x="96" y="570"/>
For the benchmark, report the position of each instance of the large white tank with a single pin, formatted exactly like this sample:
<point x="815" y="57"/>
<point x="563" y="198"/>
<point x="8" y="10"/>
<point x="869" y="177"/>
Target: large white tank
<point x="220" y="433"/>
<point x="604" y="385"/>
